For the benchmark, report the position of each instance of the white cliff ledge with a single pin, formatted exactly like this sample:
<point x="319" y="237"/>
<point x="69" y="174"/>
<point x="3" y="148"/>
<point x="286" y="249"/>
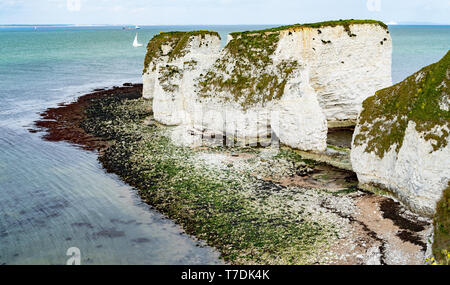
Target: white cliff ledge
<point x="290" y="81"/>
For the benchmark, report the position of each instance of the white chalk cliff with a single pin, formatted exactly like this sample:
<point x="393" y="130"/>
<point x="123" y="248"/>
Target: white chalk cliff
<point x="291" y="82"/>
<point x="402" y="144"/>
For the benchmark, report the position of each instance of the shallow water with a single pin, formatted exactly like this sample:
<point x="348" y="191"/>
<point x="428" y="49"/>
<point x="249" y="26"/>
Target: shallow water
<point x="416" y="47"/>
<point x="53" y="195"/>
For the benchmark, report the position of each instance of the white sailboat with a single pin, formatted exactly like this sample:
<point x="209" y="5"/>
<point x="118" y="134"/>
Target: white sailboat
<point x="136" y="43"/>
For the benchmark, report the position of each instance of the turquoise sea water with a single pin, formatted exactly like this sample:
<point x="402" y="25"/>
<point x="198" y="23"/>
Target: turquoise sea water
<point x="54" y="196"/>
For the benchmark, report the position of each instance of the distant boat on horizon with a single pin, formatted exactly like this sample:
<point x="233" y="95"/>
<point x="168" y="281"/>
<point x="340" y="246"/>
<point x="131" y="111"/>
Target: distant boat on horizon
<point x="136" y="42"/>
<point x="131" y="28"/>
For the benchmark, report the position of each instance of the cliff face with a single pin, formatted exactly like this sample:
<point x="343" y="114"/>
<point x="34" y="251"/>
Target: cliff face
<point x="348" y="70"/>
<point x="401" y="142"/>
<point x="172" y="63"/>
<point x="289" y="81"/>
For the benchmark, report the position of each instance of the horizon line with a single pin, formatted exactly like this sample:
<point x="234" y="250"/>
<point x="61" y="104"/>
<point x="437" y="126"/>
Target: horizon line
<point x="167" y="25"/>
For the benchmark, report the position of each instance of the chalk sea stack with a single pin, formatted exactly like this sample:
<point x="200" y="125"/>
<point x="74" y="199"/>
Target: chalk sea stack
<point x="401" y="143"/>
<point x="292" y="82"/>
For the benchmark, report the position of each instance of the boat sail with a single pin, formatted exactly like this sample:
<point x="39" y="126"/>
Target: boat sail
<point x="136" y="43"/>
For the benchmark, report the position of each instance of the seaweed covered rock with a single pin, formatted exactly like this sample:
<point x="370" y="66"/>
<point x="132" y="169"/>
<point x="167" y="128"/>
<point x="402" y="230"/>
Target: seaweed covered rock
<point x="289" y="81"/>
<point x="401" y="142"/>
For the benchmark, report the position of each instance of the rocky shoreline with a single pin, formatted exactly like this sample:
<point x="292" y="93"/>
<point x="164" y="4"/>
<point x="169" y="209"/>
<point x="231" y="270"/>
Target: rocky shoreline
<point x="255" y="205"/>
<point x="64" y="123"/>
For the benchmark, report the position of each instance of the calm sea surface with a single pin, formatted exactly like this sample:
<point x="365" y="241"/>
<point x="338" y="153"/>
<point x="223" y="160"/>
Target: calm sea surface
<point x="54" y="196"/>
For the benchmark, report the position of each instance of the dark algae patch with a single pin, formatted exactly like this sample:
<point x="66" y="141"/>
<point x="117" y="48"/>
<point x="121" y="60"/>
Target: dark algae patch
<point x="64" y="123"/>
<point x="393" y="210"/>
<point x="442" y="226"/>
<point x="412" y="238"/>
<point x="417" y="99"/>
<point x="409" y="227"/>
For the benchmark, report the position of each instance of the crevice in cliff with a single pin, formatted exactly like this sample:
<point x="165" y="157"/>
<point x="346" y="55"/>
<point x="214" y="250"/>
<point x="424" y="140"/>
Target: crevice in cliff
<point x="340" y="137"/>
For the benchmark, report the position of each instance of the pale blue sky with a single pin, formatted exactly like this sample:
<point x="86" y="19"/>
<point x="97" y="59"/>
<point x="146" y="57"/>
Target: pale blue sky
<point x="207" y="12"/>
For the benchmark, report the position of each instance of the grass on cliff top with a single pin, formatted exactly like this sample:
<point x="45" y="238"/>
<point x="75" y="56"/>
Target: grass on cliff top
<point x="386" y="115"/>
<point x="177" y="40"/>
<point x="345" y="23"/>
<point x="442" y="226"/>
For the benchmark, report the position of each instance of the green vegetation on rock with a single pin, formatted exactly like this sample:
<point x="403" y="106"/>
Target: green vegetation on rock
<point x="244" y="74"/>
<point x="178" y="41"/>
<point x="345" y="23"/>
<point x="417" y="99"/>
<point x="442" y="226"/>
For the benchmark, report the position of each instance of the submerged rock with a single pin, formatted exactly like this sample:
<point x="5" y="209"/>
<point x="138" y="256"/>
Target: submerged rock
<point x="283" y="82"/>
<point x="401" y="143"/>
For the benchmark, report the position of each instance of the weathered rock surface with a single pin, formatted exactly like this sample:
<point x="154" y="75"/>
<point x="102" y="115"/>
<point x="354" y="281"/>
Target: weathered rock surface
<point x="347" y="65"/>
<point x="290" y="82"/>
<point x="401" y="142"/>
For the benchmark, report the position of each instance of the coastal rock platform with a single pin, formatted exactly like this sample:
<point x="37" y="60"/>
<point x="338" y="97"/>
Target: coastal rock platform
<point x="255" y="205"/>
